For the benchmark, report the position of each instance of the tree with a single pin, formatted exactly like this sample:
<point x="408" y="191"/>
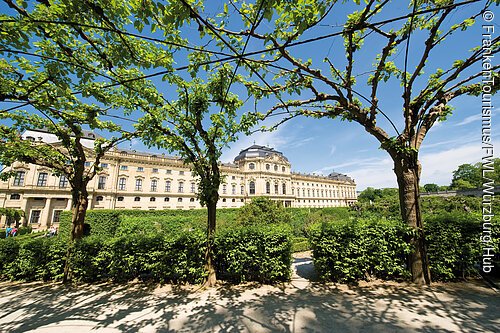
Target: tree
<point x="431" y="187"/>
<point x="197" y="125"/>
<point x="65" y="67"/>
<point x="12" y="214"/>
<point x="334" y="90"/>
<point x="467" y="176"/>
<point x="263" y="211"/>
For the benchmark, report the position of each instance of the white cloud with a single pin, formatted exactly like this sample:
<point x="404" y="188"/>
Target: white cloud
<point x="437" y="167"/>
<point x="469" y="119"/>
<point x="333" y="149"/>
<point x="274" y="139"/>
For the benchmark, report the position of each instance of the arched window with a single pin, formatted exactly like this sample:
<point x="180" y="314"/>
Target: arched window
<point x="224" y="200"/>
<point x="276" y="187"/>
<point x="120" y="198"/>
<point x="268" y="188"/>
<point x="137" y="199"/>
<point x="152" y="199"/>
<point x="166" y="199"/>
<point x="138" y="184"/>
<point x="252" y="188"/>
<point x="122" y="184"/>
<point x="233" y="200"/>
<point x="275" y="168"/>
<point x="283" y="169"/>
<point x="191" y="200"/>
<point x="154" y="185"/>
<point x="251" y="166"/>
<point x="181" y="187"/>
<point x="179" y="200"/>
<point x="99" y="198"/>
<point x="284" y="188"/>
<point x="268" y="166"/>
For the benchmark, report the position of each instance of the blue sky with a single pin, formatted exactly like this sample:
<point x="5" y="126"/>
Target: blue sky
<point x="321" y="146"/>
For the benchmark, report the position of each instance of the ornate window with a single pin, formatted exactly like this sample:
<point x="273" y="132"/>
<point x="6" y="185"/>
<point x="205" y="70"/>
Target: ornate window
<point x="120" y="198"/>
<point x="154" y="185"/>
<point x="102" y="183"/>
<point x="252" y="187"/>
<point x="283" y="187"/>
<point x="42" y="179"/>
<point x="268" y="188"/>
<point x="63" y="181"/>
<point x="122" y="183"/>
<point x="181" y="187"/>
<point x="19" y="179"/>
<point x="138" y="184"/>
<point x="276" y="187"/>
<point x="15" y="196"/>
<point x="137" y="199"/>
<point x="99" y="198"/>
<point x="168" y="186"/>
<point x="251" y="166"/>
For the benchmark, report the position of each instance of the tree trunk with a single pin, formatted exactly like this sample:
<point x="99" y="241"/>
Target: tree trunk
<point x="408" y="176"/>
<point x="209" y="252"/>
<point x="78" y="210"/>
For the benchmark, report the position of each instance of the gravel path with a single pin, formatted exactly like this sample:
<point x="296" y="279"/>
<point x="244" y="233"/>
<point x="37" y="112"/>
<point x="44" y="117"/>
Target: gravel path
<point x="299" y="306"/>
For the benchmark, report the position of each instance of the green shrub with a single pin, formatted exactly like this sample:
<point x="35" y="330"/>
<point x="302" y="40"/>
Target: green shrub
<point x="300" y="244"/>
<point x="157" y="258"/>
<point x="453" y="244"/>
<point x="254" y="253"/>
<point x="9" y="250"/>
<point x="101" y="222"/>
<point x="263" y="211"/>
<point x="348" y="251"/>
<point x="38" y="259"/>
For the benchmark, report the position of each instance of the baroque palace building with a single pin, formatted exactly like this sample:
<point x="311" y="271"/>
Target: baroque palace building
<point x="136" y="180"/>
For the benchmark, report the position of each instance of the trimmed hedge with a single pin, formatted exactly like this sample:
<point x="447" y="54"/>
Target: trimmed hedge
<point x="454" y="245"/>
<point x="260" y="254"/>
<point x="244" y="255"/>
<point x="353" y="250"/>
<point x="348" y="251"/>
<point x="100" y="222"/>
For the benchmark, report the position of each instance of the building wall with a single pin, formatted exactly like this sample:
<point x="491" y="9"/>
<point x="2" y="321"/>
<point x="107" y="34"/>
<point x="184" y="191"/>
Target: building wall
<point x="131" y="180"/>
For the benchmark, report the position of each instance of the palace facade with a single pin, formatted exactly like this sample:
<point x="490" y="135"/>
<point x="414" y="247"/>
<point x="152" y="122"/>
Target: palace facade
<point x="135" y="180"/>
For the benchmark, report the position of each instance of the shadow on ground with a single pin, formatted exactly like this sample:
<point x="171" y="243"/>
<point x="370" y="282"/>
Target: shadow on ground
<point x="135" y="307"/>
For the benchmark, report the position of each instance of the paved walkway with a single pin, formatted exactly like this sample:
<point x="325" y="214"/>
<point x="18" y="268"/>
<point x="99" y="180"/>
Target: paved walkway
<point x="299" y="306"/>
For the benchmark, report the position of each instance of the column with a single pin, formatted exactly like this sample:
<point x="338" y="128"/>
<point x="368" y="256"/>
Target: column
<point x="45" y="219"/>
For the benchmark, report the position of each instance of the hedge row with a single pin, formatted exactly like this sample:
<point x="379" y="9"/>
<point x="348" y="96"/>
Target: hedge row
<point x="353" y="250"/>
<point x="248" y="254"/>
